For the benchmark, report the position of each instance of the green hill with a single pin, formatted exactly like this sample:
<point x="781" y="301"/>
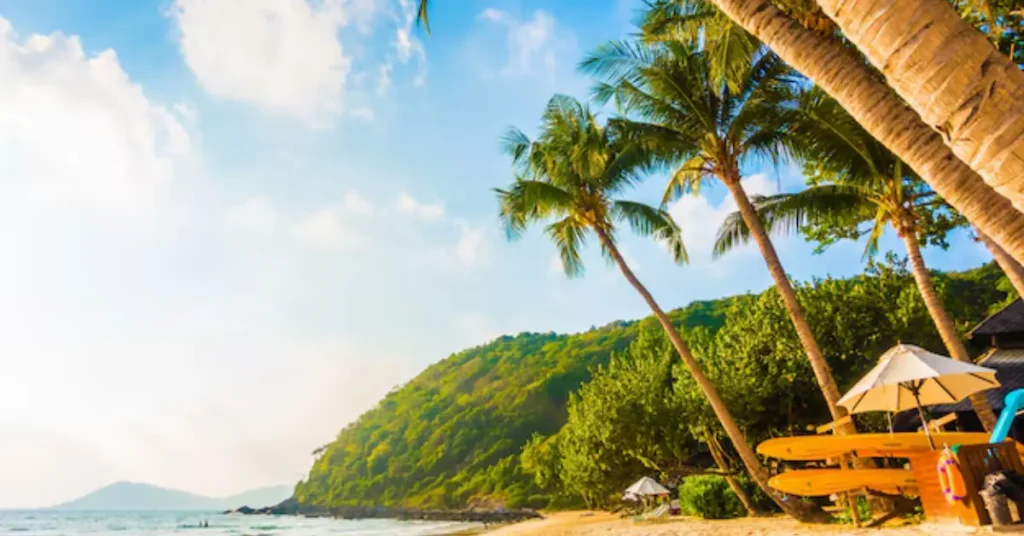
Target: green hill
<point x="452" y="436"/>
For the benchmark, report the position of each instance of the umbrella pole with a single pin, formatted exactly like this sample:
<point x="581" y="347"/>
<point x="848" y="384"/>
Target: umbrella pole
<point x="917" y="398"/>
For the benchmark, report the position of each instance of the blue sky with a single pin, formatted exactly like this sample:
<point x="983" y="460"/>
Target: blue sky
<point x="229" y="227"/>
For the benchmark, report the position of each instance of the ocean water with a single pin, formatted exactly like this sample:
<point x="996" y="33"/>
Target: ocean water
<point x="55" y="523"/>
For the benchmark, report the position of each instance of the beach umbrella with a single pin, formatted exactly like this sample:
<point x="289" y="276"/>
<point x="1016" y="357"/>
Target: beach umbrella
<point x="646" y="487"/>
<point x="909" y="376"/>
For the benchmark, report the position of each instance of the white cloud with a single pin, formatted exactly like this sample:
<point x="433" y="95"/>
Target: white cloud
<point x="331" y="227"/>
<point x="534" y="46"/>
<point x="75" y="128"/>
<point x="304" y="59"/>
<point x="475" y="329"/>
<point x="468" y="248"/>
<point x="406" y="44"/>
<point x="336" y="228"/>
<point x="328" y="230"/>
<point x="281" y="55"/>
<point x="403" y="44"/>
<point x="363" y="113"/>
<point x="409" y="205"/>
<point x="254" y="214"/>
<point x="384" y="79"/>
<point x="493" y="15"/>
<point x="699" y="220"/>
<point x="357" y="204"/>
<point x="362" y="13"/>
<point x="555" y="265"/>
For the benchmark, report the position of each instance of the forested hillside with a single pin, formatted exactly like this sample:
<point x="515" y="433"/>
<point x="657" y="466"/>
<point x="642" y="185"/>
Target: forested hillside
<point x="453" y="436"/>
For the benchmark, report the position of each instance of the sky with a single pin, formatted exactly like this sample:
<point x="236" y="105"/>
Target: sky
<point x="227" y="228"/>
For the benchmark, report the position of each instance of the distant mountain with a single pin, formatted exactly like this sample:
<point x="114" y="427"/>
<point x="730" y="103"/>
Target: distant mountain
<point x="137" y="496"/>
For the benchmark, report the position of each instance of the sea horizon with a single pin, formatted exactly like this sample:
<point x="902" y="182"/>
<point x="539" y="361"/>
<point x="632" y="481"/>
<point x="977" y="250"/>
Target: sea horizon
<point x="53" y="522"/>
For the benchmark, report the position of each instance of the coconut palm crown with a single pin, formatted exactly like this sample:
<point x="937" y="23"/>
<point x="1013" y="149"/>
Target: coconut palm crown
<point x="571" y="177"/>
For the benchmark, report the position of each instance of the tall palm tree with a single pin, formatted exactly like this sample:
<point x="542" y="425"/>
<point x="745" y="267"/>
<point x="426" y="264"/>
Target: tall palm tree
<point x="844" y="74"/>
<point x="706" y="131"/>
<point x="951" y="75"/>
<point x="855" y="180"/>
<point x="571" y="176"/>
<point x="1014" y="270"/>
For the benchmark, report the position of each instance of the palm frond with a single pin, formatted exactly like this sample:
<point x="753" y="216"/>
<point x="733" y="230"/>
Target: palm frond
<point x="515" y="144"/>
<point x="616" y="60"/>
<point x="687" y="179"/>
<point x="828" y="136"/>
<point x="631" y="163"/>
<point x="789" y="212"/>
<point x="875" y="236"/>
<point x="730" y="50"/>
<point x="732" y="233"/>
<point x="646" y="220"/>
<point x="569" y="236"/>
<point x="422" y="15"/>
<point x="526" y="201"/>
<point x="674" y="20"/>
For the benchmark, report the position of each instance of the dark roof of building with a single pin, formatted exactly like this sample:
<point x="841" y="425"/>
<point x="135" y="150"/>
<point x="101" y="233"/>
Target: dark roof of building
<point x="1009" y="319"/>
<point x="1009" y="365"/>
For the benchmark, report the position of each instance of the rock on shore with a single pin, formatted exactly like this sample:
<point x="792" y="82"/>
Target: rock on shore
<point x="291" y="507"/>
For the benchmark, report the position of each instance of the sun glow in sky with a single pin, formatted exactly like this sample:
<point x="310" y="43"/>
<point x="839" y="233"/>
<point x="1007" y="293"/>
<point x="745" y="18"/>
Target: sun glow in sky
<point x="227" y="228"/>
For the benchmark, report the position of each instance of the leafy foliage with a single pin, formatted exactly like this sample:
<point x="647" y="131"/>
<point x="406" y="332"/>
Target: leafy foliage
<point x="709" y="497"/>
<point x="624" y="423"/>
<point x="704" y="126"/>
<point x="612" y="437"/>
<point x="455" y="435"/>
<point x="856" y="187"/>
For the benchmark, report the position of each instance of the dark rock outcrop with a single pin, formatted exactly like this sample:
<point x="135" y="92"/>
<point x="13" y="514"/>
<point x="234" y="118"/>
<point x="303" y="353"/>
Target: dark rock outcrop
<point x="291" y="507"/>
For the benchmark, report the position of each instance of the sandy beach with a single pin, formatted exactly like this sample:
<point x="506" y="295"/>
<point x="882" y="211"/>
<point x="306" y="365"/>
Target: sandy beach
<point x="600" y="523"/>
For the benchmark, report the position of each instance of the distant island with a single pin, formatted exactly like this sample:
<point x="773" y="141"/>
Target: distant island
<point x="133" y="496"/>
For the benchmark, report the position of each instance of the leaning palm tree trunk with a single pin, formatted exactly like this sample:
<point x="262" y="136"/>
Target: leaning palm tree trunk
<point x="951" y="75"/>
<point x="758" y="473"/>
<point x="718" y="453"/>
<point x="943" y="322"/>
<point x="1013" y="269"/>
<point x="843" y="75"/>
<point x="822" y="371"/>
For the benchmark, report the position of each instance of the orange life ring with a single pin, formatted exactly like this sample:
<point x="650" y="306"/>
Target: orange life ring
<point x="951" y="479"/>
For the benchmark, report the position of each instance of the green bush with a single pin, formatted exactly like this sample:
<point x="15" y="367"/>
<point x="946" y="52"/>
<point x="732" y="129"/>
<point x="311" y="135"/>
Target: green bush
<point x="709" y="497"/>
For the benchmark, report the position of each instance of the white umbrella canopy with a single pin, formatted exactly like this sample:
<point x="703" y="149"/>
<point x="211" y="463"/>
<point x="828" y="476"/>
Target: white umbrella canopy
<point x="647" y="486"/>
<point x="909" y="376"/>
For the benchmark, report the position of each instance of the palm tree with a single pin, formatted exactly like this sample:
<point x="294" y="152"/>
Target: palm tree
<point x="951" y="75"/>
<point x="1013" y="269"/>
<point x="706" y="131"/>
<point x="571" y="176"/>
<point x="844" y="74"/>
<point x="856" y="180"/>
